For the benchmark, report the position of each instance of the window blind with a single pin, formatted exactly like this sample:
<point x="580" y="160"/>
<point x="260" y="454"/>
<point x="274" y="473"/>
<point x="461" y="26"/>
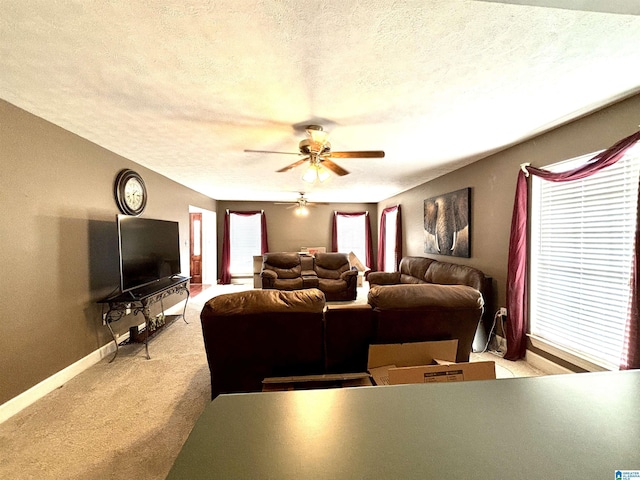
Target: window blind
<point x="582" y="238"/>
<point x="245" y="242"/>
<point x="351" y="233"/>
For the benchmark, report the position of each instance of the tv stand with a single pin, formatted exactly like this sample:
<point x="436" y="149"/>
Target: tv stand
<point x="140" y="300"/>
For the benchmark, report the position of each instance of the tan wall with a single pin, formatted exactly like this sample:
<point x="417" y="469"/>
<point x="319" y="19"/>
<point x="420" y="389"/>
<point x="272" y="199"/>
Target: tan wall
<point x="493" y="180"/>
<point x="288" y="233"/>
<point x="58" y="242"/>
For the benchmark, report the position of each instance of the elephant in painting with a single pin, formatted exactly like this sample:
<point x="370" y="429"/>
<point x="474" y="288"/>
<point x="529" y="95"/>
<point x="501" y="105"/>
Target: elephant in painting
<point x="446" y="224"/>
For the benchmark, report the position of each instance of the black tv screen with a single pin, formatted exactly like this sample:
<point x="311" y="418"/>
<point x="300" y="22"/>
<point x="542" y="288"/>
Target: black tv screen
<point x="149" y="251"/>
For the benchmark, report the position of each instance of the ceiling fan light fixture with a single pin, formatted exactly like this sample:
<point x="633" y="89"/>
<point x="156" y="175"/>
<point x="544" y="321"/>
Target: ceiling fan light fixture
<point x="323" y="173"/>
<point x="301" y="211"/>
<point x="316" y="172"/>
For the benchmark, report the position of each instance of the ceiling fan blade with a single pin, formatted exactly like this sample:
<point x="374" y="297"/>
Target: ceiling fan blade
<point x="271" y="151"/>
<point x="362" y="154"/>
<point x="334" y="167"/>
<point x="285" y="203"/>
<point x="293" y="165"/>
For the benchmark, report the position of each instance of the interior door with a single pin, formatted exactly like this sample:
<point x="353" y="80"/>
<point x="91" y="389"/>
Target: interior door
<point x="195" y="247"/>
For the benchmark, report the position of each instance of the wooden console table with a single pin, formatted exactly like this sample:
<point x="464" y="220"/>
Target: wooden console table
<point x="139" y="301"/>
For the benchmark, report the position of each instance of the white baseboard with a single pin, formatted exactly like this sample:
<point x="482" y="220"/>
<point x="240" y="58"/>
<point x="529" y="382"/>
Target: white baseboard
<point x="22" y="401"/>
<point x="544" y="364"/>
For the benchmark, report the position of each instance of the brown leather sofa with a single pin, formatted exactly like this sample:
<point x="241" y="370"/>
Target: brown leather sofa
<point x="428" y="270"/>
<point x="426" y="312"/>
<point x="422" y="270"/>
<point x="251" y="335"/>
<point x="330" y="272"/>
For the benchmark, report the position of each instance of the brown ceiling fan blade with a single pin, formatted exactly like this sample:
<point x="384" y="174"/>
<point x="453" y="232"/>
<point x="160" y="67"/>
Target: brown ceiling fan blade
<point x="271" y="151"/>
<point x="293" y="165"/>
<point x="362" y="154"/>
<point x="334" y="167"/>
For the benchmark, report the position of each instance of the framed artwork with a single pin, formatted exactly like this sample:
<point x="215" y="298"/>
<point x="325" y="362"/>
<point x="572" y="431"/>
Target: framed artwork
<point x="447" y="223"/>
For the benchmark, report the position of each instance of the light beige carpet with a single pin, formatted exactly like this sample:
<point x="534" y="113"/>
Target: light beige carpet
<point x="127" y="419"/>
<point x="122" y="420"/>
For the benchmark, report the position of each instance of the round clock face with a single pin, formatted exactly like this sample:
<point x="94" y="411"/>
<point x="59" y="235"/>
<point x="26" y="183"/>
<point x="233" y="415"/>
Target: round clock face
<point x="130" y="192"/>
<point x="133" y="193"/>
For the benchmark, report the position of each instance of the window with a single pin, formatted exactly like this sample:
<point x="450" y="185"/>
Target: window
<point x="582" y="241"/>
<point x="245" y="242"/>
<point x="390" y="244"/>
<point x="351" y="235"/>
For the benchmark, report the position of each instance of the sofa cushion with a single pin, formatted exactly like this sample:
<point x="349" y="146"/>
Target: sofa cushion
<point x="413" y="269"/>
<point x="331" y="265"/>
<point x="331" y="285"/>
<point x="296" y="283"/>
<point x="451" y="274"/>
<point x="393" y="297"/>
<point x="250" y="302"/>
<point x="284" y="264"/>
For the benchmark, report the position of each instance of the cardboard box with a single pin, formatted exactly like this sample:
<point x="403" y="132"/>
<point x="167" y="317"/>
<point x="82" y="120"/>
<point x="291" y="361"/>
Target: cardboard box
<point x="279" y="384"/>
<point x="450" y="372"/>
<point x="423" y="362"/>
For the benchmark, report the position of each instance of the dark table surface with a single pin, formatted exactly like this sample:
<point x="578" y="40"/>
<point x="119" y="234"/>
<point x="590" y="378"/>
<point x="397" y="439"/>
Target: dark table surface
<point x="582" y="426"/>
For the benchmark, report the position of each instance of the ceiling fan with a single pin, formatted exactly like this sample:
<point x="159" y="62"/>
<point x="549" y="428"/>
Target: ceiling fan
<point x="317" y="151"/>
<point x="301" y="205"/>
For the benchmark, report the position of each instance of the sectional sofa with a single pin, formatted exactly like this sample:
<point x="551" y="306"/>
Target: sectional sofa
<point x="256" y="334"/>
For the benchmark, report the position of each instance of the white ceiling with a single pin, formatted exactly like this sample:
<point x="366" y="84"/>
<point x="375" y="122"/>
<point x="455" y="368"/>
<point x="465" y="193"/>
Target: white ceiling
<point x="183" y="86"/>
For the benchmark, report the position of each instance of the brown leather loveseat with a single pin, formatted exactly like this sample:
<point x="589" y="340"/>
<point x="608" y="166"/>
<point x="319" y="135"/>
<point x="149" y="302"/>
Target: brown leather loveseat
<point x="330" y="272"/>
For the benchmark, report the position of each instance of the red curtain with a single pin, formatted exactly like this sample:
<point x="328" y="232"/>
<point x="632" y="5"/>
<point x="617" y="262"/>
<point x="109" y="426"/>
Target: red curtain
<point x="517" y="288"/>
<point x="382" y="240"/>
<point x="225" y="276"/>
<point x="367" y="232"/>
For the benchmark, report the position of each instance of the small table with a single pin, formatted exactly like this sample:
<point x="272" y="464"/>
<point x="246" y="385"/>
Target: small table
<point x="564" y="426"/>
<point x="139" y="301"/>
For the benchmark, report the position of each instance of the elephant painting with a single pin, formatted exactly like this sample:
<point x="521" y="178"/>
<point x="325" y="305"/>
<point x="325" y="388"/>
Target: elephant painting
<point x="446" y="224"/>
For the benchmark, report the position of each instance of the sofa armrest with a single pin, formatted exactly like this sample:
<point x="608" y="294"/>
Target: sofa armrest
<point x="383" y="278"/>
<point x="269" y="278"/>
<point x="348" y="274"/>
<point x="269" y="274"/>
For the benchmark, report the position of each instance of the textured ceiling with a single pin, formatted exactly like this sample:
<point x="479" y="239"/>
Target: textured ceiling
<point x="183" y="87"/>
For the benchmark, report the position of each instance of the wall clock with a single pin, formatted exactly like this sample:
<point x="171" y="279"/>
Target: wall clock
<point x="130" y="192"/>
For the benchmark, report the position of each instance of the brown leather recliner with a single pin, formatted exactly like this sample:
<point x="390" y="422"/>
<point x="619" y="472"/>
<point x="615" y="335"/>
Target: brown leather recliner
<point x="335" y="277"/>
<point x="255" y="334"/>
<point x="281" y="271"/>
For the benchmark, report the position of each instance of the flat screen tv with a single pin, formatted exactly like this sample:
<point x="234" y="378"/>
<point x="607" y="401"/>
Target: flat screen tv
<point x="149" y="251"/>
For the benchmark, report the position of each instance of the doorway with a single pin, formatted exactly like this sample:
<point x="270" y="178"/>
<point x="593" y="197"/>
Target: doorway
<point x="195" y="247"/>
<point x="202" y="246"/>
